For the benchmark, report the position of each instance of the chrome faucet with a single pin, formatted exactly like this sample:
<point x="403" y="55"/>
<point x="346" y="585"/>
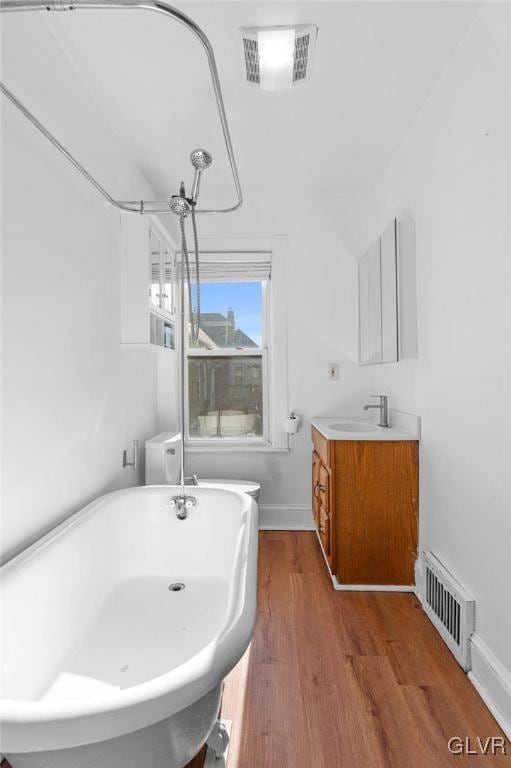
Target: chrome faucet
<point x="182" y="504"/>
<point x="383" y="407"/>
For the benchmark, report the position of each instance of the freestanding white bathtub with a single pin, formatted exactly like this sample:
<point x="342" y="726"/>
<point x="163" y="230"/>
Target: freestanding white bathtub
<point x="105" y="663"/>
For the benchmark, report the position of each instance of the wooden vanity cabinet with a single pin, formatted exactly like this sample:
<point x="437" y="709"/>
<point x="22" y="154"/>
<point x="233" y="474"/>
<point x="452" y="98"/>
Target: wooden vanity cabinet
<point x="365" y="507"/>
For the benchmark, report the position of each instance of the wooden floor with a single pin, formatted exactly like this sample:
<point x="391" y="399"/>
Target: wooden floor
<point x="345" y="679"/>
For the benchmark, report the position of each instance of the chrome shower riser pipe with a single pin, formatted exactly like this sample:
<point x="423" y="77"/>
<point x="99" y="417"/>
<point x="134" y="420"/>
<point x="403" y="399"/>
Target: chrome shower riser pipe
<point x="137" y="206"/>
<point x="182" y="357"/>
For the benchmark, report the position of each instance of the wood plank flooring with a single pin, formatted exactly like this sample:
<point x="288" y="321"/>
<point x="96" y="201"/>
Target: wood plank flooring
<point x="345" y="679"/>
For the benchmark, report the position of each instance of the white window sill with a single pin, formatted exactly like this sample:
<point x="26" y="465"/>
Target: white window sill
<point x="229" y="447"/>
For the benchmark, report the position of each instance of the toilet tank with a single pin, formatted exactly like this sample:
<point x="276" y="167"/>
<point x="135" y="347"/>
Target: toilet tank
<point x="163" y="459"/>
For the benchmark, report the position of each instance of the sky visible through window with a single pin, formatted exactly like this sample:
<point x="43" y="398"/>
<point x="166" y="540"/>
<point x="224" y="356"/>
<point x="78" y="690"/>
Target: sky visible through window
<point x="244" y="298"/>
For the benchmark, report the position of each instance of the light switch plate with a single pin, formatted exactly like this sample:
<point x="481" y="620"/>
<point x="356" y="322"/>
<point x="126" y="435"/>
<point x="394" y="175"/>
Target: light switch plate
<point x="333" y="371"/>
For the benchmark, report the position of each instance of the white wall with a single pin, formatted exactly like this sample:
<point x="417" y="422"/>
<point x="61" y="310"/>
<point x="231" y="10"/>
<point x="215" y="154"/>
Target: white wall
<point x="321" y="297"/>
<point x="452" y="175"/>
<point x="72" y="398"/>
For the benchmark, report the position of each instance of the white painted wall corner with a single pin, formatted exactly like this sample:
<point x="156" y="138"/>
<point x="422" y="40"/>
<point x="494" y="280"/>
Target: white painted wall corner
<point x="281" y="517"/>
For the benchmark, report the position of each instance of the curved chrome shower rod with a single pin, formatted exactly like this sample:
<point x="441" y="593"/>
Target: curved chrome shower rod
<point x="138" y="206"/>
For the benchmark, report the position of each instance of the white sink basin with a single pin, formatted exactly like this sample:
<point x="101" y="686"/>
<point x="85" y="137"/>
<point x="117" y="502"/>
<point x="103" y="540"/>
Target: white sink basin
<point x="404" y="427"/>
<point x="353" y="426"/>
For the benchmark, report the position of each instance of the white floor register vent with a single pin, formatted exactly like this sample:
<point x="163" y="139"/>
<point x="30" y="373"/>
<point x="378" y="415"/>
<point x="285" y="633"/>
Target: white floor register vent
<point x="450" y="608"/>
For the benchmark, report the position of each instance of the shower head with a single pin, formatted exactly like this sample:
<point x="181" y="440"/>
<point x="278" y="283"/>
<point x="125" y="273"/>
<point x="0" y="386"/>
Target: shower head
<point x="200" y="159"/>
<point x="179" y="205"/>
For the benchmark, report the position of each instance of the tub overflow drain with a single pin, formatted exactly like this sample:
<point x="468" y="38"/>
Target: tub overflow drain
<point x="176" y="587"/>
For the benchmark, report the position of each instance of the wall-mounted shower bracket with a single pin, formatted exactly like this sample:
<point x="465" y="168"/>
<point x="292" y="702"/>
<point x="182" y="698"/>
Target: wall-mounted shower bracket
<point x="134" y="463"/>
<point x="137" y="206"/>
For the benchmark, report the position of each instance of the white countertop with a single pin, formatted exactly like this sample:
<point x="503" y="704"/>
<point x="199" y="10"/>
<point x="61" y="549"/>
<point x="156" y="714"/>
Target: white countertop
<point x="404" y="426"/>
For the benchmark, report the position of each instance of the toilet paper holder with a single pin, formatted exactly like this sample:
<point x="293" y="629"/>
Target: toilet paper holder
<point x="293" y="423"/>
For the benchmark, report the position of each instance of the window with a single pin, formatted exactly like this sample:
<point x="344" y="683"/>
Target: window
<point x="236" y="389"/>
<point x="228" y="364"/>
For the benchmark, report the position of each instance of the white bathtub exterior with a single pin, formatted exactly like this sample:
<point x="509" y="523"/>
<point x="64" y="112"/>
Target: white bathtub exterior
<point x="95" y="646"/>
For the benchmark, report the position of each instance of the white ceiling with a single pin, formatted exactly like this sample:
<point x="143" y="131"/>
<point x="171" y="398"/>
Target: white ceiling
<point x="376" y="63"/>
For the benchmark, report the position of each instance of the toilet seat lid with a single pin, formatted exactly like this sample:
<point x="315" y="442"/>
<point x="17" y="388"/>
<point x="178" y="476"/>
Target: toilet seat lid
<point x="242" y="486"/>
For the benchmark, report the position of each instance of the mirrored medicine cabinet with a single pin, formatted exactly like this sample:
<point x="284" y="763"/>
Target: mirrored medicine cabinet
<point x="378" y="300"/>
<point x="387" y="296"/>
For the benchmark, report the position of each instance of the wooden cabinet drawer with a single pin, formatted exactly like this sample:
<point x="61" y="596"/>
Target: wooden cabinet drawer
<point x="324" y="488"/>
<point x="316" y="465"/>
<point x="321" y="446"/>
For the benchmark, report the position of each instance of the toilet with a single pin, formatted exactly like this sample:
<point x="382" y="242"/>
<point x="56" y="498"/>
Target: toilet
<point x="163" y="463"/>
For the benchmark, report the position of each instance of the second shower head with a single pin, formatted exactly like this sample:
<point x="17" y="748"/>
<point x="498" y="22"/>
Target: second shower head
<point x="200" y="159"/>
<point x="181" y="205"/>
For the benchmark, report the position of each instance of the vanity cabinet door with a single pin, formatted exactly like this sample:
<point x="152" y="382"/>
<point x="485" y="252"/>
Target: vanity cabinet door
<point x="321" y="504"/>
<point x="316" y="463"/>
<point x="376" y="516"/>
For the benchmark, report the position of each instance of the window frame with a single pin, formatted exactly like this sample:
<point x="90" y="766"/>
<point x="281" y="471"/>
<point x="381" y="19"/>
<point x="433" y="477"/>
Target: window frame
<point x="232" y="352"/>
<point x="277" y="351"/>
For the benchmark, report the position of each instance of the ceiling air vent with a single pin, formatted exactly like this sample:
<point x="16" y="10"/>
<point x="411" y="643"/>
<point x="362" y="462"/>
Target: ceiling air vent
<point x="301" y="58"/>
<point x="251" y="49"/>
<point x="276" y="58"/>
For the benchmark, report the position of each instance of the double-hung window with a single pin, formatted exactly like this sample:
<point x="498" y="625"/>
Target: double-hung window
<point x="228" y="364"/>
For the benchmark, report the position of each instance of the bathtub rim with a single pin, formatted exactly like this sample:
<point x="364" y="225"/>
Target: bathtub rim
<point x="225" y="649"/>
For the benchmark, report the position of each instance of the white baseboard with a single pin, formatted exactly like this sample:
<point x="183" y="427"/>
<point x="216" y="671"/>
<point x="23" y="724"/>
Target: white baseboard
<point x="492" y="681"/>
<point x="371" y="587"/>
<point x="281" y="517"/>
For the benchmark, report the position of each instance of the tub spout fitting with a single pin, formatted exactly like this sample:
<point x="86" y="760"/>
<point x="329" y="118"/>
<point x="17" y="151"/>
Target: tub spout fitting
<point x="182" y="505"/>
<point x="59" y="5"/>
